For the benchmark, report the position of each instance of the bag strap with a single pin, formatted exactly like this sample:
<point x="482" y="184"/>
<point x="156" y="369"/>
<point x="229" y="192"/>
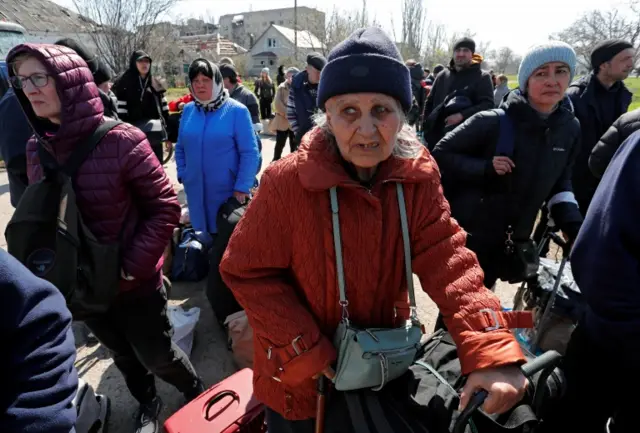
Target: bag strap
<point x="80" y="153"/>
<point x="337" y="241"/>
<point x="506" y="137"/>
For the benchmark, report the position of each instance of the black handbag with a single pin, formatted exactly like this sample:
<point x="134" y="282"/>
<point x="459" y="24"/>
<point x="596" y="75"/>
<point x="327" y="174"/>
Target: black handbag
<point x="520" y="258"/>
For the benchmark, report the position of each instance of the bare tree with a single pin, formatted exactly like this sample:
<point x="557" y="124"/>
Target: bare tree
<point x="123" y="26"/>
<point x="598" y="25"/>
<point x="504" y="57"/>
<point x="342" y="23"/>
<point x="414" y="26"/>
<point x="435" y="50"/>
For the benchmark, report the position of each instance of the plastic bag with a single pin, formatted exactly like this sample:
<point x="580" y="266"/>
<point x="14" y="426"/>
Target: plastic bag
<point x="240" y="339"/>
<point x="184" y="216"/>
<point x="184" y="325"/>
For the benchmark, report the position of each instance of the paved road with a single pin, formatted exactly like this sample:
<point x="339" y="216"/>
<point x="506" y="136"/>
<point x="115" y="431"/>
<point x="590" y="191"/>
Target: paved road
<point x="210" y="355"/>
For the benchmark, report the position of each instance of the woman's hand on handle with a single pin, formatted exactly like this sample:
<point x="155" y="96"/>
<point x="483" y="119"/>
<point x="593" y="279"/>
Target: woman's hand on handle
<point x="506" y="387"/>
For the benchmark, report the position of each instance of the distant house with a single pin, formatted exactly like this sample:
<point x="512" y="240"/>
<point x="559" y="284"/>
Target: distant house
<point x="277" y="44"/>
<point x="243" y="28"/>
<point x="46" y="22"/>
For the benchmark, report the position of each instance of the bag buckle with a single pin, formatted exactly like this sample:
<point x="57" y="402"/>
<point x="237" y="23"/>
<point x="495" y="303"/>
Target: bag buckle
<point x="345" y="313"/>
<point x="494" y="316"/>
<point x="508" y="243"/>
<point x="296" y="348"/>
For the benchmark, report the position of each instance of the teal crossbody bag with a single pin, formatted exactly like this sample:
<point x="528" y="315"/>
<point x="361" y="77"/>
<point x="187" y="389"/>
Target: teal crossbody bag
<point x="372" y="357"/>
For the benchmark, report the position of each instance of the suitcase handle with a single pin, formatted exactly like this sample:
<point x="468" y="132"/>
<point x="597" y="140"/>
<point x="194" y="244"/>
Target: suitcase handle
<point x="217" y="398"/>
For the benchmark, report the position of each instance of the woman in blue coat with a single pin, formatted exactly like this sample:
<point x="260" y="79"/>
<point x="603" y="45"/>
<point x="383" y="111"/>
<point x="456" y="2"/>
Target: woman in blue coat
<point x="217" y="154"/>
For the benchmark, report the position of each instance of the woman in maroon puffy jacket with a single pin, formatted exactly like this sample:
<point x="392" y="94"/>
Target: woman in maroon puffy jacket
<point x="124" y="196"/>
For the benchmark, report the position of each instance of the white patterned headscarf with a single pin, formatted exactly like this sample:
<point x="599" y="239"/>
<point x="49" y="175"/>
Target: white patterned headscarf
<point x="219" y="94"/>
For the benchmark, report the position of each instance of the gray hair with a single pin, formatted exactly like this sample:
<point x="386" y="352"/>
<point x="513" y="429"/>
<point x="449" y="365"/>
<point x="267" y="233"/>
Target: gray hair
<point x="407" y="145"/>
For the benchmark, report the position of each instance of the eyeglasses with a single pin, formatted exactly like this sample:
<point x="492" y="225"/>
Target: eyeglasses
<point x="38" y="80"/>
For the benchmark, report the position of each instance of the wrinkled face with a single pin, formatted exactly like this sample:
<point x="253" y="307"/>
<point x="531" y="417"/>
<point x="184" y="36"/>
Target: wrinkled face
<point x="547" y="84"/>
<point x="620" y="66"/>
<point x="143" y="65"/>
<point x="39" y="88"/>
<point x="314" y="74"/>
<point x="462" y="57"/>
<point x="289" y="77"/>
<point x="366" y="126"/>
<point x="202" y="87"/>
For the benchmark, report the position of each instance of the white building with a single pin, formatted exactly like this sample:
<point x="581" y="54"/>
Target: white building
<point x="277" y="45"/>
<point x="244" y="28"/>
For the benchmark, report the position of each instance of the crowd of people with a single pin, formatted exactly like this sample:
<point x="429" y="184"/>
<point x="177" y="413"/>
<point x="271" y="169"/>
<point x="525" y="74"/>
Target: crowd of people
<point x="467" y="162"/>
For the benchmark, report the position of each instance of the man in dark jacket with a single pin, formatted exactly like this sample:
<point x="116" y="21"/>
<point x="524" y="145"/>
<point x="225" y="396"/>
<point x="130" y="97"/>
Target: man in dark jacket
<point x="37" y="374"/>
<point x="459" y="92"/>
<point x="101" y="74"/>
<point x="246" y="97"/>
<point x="621" y="129"/>
<point x="606" y="266"/>
<point x="599" y="99"/>
<point x="15" y="131"/>
<point x="241" y="94"/>
<point x="141" y="97"/>
<point x="418" y="88"/>
<point x="302" y="103"/>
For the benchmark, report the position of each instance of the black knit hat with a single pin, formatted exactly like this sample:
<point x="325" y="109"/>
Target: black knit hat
<point x="465" y="43"/>
<point x="316" y="60"/>
<point x="607" y="50"/>
<point x="228" y="71"/>
<point x="367" y="61"/>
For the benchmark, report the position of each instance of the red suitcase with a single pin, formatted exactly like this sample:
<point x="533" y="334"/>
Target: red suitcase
<point x="227" y="407"/>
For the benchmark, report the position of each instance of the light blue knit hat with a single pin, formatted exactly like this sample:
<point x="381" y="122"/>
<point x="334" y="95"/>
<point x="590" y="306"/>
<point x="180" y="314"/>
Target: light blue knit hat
<point x="553" y="51"/>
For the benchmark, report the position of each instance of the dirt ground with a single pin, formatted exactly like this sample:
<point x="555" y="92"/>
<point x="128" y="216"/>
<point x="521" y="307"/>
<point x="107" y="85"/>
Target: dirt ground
<point x="210" y="355"/>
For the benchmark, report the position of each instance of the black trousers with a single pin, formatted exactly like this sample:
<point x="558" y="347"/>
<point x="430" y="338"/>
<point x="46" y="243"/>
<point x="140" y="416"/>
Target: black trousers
<point x="138" y="333"/>
<point x="281" y="140"/>
<point x="541" y="229"/>
<point x="158" y="150"/>
<point x="265" y="108"/>
<point x="276" y="423"/>
<point x="600" y="385"/>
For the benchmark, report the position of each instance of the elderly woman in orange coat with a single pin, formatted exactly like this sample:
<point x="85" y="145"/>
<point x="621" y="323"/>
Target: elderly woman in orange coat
<point x="281" y="261"/>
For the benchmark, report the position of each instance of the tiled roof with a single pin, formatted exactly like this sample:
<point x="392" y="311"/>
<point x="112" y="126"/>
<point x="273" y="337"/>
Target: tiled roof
<point x="44" y="16"/>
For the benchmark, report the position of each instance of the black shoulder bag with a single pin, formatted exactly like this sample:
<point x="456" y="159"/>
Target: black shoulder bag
<point x="520" y="258"/>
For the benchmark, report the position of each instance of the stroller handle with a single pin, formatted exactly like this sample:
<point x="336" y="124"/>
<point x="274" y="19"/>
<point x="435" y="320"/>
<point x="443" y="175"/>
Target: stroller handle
<point x="547" y="360"/>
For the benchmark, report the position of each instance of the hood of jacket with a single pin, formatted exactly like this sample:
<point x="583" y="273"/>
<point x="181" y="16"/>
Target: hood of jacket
<point x="134" y="58"/>
<point x="519" y="109"/>
<point x="81" y="106"/>
<point x="321" y="167"/>
<point x="476" y="62"/>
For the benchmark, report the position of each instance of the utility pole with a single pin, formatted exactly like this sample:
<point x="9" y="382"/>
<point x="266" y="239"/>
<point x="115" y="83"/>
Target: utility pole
<point x="295" y="28"/>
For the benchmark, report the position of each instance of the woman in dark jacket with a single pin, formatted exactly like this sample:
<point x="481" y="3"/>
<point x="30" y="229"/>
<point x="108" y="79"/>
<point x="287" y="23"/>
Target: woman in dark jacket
<point x="496" y="196"/>
<point x="621" y="129"/>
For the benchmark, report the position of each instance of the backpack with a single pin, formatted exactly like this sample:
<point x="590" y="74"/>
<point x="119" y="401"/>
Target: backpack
<point x="47" y="234"/>
<point x="190" y="258"/>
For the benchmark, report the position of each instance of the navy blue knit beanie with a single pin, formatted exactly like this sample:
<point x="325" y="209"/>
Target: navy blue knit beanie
<point x="366" y="62"/>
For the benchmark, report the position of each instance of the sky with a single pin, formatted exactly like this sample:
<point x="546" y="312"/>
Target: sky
<point x="519" y="25"/>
